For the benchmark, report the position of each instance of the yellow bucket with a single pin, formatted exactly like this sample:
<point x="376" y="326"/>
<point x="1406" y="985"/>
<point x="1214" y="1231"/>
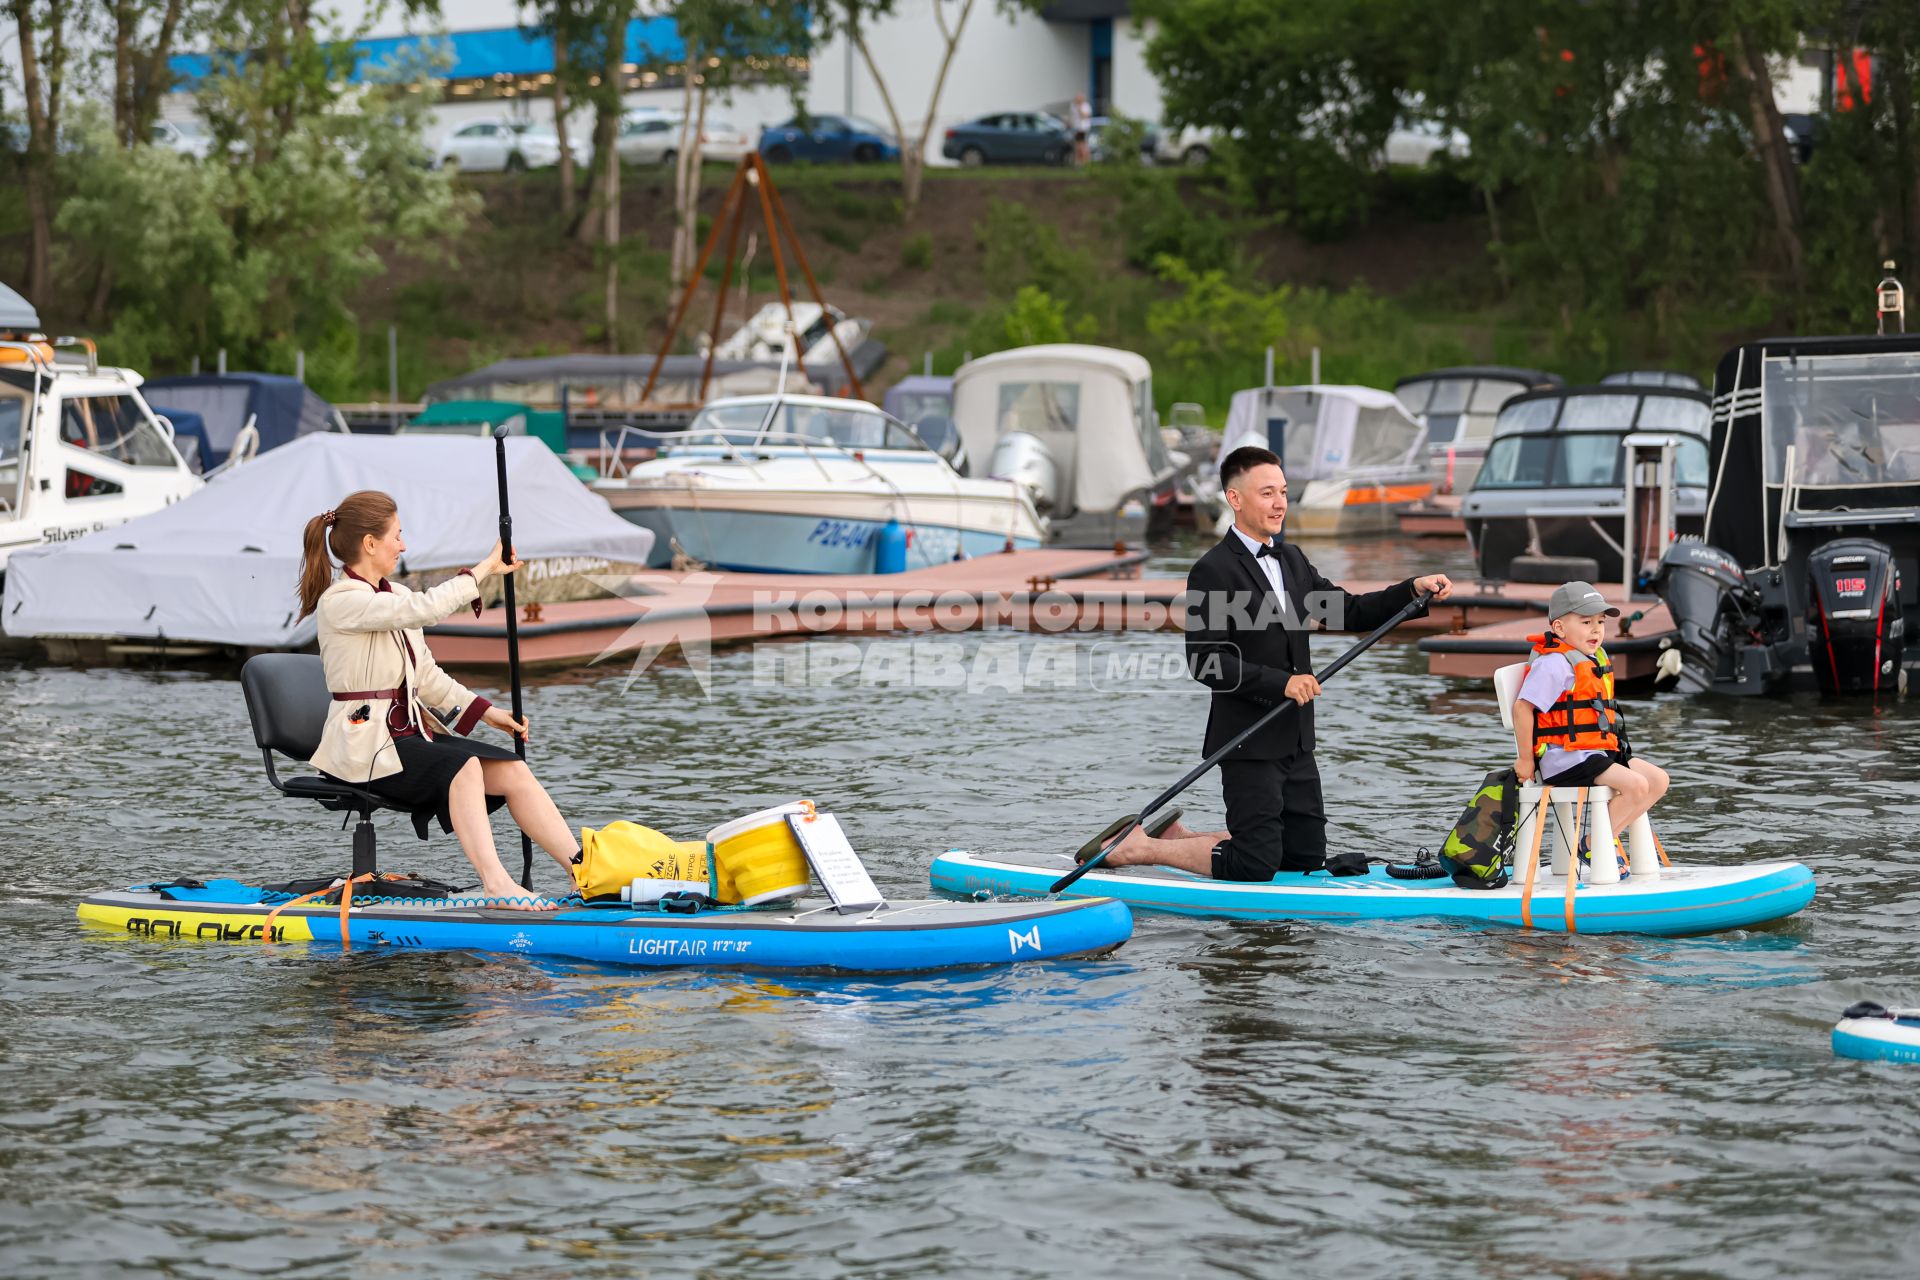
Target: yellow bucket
<point x="760" y="855"/>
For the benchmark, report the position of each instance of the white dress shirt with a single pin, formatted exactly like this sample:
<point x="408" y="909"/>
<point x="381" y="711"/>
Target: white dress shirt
<point x="1270" y="565"/>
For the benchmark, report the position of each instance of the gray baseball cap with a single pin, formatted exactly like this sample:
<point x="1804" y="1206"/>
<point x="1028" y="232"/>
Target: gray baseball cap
<point x="1580" y="598"/>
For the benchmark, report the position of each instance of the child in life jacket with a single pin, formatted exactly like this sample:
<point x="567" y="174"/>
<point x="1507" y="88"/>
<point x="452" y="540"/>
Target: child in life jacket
<point x="1565" y="721"/>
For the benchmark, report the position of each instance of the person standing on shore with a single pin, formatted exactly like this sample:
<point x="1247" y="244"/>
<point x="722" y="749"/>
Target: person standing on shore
<point x="1082" y="123"/>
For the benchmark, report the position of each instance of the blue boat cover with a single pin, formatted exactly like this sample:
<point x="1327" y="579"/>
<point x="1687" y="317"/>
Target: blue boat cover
<point x="281" y="409"/>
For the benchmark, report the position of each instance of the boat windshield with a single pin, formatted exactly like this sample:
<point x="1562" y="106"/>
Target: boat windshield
<point x="114" y="427"/>
<point x="1608" y="412"/>
<point x="1577" y="460"/>
<point x="13" y="409"/>
<point x="847" y="426"/>
<point x="1852" y="420"/>
<point x="1457" y="409"/>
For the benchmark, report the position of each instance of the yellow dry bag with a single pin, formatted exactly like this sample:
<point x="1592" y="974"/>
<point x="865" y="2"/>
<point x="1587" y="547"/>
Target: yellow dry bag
<point x="629" y="862"/>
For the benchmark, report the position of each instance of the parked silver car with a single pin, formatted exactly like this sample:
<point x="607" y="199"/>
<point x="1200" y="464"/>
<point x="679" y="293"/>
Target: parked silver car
<point x="491" y="146"/>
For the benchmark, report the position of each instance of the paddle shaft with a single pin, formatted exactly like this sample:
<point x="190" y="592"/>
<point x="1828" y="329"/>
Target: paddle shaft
<point x="1194" y="774"/>
<point x="513" y="632"/>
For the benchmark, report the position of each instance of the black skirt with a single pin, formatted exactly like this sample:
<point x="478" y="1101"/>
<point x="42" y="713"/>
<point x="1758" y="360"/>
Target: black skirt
<point x="427" y="767"/>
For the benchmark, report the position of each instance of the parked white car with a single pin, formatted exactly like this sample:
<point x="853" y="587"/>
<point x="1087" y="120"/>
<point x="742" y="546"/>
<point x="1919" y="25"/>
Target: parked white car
<point x="490" y="146"/>
<point x="653" y="137"/>
<point x="188" y="137"/>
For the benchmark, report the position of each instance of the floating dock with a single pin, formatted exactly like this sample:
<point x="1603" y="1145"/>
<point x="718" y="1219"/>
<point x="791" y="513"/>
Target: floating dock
<point x="1052" y="590"/>
<point x="1476" y="650"/>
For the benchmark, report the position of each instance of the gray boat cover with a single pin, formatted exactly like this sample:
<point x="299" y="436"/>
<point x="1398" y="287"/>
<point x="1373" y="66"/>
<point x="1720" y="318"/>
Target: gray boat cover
<point x="220" y="567"/>
<point x="615" y="382"/>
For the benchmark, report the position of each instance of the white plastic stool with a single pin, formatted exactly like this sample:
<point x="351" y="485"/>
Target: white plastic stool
<point x="1643" y="855"/>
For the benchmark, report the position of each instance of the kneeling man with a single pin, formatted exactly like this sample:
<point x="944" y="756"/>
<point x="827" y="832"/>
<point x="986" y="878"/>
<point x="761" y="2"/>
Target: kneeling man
<point x="1248" y="603"/>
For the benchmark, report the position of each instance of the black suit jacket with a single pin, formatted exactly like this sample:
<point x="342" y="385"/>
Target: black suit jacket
<point x="1244" y="645"/>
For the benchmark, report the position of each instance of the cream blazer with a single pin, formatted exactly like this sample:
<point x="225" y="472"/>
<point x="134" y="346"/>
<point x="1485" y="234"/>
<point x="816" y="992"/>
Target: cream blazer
<point x="361" y="648"/>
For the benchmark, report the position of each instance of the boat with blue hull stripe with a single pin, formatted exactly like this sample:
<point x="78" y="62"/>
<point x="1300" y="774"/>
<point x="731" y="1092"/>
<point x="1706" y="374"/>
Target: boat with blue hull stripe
<point x="1683" y="900"/>
<point x="808" y="936"/>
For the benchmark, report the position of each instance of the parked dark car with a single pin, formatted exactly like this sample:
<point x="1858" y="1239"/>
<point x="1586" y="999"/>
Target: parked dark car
<point x="829" y="138"/>
<point x="1104" y="131"/>
<point x="1015" y="137"/>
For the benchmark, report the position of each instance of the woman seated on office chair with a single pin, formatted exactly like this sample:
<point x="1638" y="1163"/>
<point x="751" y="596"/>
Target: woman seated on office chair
<point x="394" y="713"/>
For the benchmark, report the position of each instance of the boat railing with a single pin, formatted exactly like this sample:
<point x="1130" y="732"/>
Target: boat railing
<point x="613" y="446"/>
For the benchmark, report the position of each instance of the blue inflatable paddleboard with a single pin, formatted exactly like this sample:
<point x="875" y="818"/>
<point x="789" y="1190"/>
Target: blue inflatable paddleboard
<point x="1874" y="1033"/>
<point x="806" y="936"/>
<point x="1682" y="900"/>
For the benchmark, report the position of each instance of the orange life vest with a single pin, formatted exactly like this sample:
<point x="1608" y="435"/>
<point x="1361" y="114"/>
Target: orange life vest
<point x="1584" y="718"/>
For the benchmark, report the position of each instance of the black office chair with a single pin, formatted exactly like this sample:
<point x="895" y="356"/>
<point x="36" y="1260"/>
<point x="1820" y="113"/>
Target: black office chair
<point x="287" y="700"/>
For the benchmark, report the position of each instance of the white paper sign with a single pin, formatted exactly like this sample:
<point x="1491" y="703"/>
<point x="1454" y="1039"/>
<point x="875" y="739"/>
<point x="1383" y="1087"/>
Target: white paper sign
<point x="835" y="862"/>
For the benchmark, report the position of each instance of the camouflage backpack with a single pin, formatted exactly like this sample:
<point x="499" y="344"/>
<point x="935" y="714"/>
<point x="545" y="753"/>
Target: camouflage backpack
<point x="1477" y="850"/>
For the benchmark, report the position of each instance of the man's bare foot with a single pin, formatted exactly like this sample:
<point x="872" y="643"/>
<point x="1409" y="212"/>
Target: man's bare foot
<point x="1136" y="848"/>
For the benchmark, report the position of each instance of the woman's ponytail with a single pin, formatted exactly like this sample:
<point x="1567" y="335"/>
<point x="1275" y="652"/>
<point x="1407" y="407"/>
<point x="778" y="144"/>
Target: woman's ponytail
<point x="368" y="513"/>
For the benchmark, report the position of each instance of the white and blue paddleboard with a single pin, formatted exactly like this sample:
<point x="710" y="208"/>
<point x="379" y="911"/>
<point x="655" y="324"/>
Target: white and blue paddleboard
<point x="1875" y="1033"/>
<point x="1682" y="900"/>
<point x="806" y="936"/>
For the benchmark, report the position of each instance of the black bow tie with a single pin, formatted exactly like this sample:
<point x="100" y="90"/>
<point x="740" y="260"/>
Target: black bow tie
<point x="1270" y="549"/>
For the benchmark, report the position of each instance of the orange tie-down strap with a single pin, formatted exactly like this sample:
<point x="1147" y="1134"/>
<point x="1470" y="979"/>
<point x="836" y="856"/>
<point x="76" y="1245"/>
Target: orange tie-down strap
<point x="1573" y="856"/>
<point x="346" y="903"/>
<point x="1541" y="816"/>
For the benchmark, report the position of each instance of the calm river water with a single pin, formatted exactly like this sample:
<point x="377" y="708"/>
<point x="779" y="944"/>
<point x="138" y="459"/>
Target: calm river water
<point x="1215" y="1099"/>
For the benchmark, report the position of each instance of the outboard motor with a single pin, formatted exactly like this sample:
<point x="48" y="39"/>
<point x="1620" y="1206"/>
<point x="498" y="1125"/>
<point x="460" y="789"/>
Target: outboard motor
<point x="1856" y="633"/>
<point x="1707" y="592"/>
<point x="1718" y="613"/>
<point x="1026" y="459"/>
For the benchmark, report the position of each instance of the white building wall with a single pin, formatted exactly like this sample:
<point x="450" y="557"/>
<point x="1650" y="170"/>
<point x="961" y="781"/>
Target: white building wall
<point x="1002" y="63"/>
<point x="1136" y="92"/>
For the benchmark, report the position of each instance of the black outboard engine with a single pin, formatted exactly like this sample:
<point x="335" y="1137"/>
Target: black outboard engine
<point x="1715" y="608"/>
<point x="1856" y="633"/>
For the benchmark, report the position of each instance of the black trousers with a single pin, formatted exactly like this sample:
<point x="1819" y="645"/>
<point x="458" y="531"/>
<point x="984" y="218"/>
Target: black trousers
<point x="1276" y="815"/>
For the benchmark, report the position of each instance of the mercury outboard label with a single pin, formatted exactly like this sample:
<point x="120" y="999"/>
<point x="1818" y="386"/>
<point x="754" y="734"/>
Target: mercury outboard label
<point x="1856" y="635"/>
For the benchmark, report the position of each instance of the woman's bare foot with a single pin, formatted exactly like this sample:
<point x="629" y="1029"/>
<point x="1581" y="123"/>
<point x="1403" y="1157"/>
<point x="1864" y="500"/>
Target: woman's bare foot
<point x="511" y="897"/>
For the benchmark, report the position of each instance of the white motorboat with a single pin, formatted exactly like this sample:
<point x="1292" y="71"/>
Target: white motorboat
<point x="810" y="484"/>
<point x="1354" y="457"/>
<point x="80" y="449"/>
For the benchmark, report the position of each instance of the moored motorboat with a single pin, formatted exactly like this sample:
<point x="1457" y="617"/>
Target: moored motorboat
<point x="80" y="449"/>
<point x="1075" y="426"/>
<point x="1555" y="479"/>
<point x="1811" y="553"/>
<point x="1458" y="407"/>
<point x="1353" y="456"/>
<point x="811" y="484"/>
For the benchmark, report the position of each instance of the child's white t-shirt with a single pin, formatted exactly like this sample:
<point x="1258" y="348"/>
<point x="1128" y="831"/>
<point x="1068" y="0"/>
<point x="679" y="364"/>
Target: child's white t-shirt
<point x="1549" y="676"/>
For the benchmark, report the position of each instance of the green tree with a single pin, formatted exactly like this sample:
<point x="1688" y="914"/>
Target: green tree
<point x="255" y="248"/>
<point x="41" y="30"/>
<point x="726" y="42"/>
<point x="851" y="18"/>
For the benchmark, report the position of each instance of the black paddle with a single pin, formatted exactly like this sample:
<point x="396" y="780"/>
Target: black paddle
<point x="513" y="632"/>
<point x="1413" y="605"/>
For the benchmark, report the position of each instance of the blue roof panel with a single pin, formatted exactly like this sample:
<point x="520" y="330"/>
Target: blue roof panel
<point x="515" y="51"/>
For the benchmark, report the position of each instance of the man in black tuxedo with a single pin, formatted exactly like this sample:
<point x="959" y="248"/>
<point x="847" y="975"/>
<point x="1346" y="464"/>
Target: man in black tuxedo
<point x="1248" y="604"/>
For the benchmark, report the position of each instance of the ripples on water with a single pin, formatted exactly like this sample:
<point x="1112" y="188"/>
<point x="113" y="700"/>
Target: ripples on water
<point x="1217" y="1099"/>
